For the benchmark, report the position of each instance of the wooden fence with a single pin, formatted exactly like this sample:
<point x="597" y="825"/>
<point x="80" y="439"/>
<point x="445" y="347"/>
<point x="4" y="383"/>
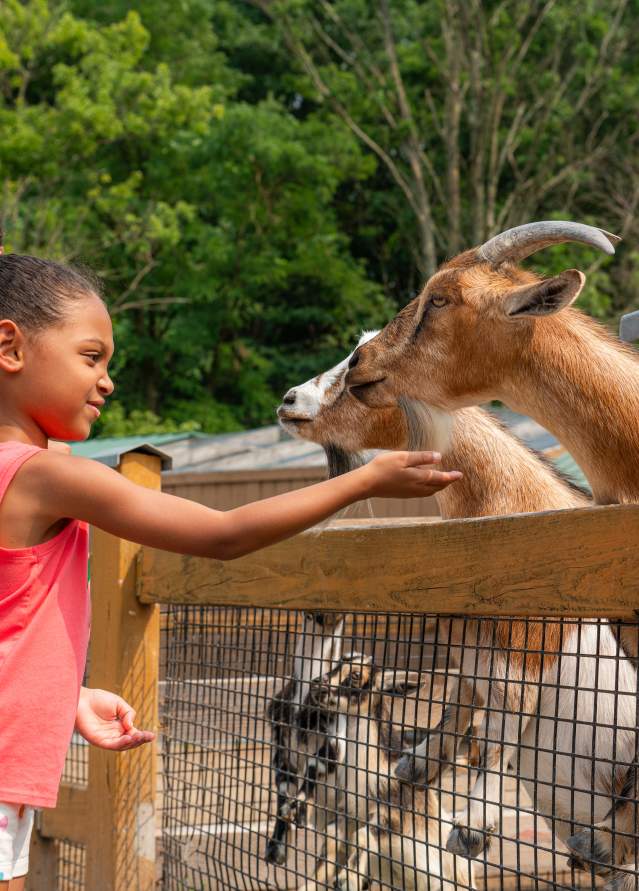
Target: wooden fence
<point x="581" y="562"/>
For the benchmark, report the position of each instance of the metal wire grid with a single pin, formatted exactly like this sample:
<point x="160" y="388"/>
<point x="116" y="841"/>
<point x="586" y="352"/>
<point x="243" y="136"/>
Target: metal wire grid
<point x="71" y="866"/>
<point x="555" y="688"/>
<point x="76" y="764"/>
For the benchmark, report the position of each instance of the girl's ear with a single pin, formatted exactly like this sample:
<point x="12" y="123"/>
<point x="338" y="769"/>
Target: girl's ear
<point x="546" y="297"/>
<point x="11" y="347"/>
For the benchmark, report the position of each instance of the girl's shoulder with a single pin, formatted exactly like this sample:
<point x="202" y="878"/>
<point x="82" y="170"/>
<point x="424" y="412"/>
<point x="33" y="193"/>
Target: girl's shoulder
<point x="24" y="520"/>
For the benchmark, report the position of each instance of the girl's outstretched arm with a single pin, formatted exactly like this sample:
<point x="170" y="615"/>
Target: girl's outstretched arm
<point x="59" y="485"/>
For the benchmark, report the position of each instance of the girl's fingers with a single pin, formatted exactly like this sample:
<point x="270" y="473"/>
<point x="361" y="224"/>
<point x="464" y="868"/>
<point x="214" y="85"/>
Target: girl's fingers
<point x="128" y="740"/>
<point x="441" y="477"/>
<point x="416" y="458"/>
<point x="126" y="715"/>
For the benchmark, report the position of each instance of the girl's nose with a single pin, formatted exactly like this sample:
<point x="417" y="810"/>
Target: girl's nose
<point x="106" y="385"/>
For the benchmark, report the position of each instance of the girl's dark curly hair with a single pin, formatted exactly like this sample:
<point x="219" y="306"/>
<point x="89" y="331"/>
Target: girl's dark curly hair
<point x="35" y="293"/>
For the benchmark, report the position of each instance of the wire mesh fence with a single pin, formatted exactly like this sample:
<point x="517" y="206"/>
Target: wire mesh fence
<point x="359" y="751"/>
<point x="71" y="871"/>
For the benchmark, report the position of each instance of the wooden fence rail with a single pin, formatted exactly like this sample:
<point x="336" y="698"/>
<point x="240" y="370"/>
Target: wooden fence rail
<point x="562" y="563"/>
<point x="582" y="562"/>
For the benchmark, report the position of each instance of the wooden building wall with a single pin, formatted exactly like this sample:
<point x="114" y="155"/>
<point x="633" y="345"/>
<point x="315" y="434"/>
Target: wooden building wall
<point x="224" y="490"/>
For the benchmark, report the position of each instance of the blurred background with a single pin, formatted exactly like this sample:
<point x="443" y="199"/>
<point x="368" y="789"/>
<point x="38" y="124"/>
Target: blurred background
<point x="255" y="182"/>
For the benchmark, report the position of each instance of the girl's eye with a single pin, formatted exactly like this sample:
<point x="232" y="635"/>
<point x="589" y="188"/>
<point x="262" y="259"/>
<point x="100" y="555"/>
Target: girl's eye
<point x="94" y="356"/>
<point x="438" y="301"/>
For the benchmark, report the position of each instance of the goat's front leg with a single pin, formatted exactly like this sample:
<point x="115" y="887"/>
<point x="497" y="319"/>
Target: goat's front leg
<point x="438" y="751"/>
<point x="319" y="767"/>
<point x="276" y="844"/>
<point x="473" y="827"/>
<point x="287" y="782"/>
<point x="356" y="874"/>
<point x="333" y="857"/>
<point x="292" y="801"/>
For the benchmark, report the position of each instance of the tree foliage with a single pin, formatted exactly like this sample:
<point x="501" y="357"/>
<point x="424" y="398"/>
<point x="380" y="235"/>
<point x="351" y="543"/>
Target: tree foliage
<point x="257" y="180"/>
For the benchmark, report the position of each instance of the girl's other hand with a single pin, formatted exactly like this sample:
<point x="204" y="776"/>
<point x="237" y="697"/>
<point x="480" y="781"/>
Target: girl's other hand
<point x="106" y="720"/>
<point x="407" y="475"/>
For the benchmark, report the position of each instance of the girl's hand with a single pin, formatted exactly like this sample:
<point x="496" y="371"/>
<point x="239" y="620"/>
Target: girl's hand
<point x="106" y="720"/>
<point x="407" y="475"/>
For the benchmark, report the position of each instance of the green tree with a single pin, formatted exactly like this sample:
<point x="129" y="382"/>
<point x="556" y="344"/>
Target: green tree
<point x="211" y="221"/>
<point x="482" y="115"/>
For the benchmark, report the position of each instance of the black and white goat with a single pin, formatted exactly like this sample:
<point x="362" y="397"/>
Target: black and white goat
<point x="318" y="649"/>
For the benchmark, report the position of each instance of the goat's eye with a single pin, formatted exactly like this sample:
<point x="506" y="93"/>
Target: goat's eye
<point x="438" y="301"/>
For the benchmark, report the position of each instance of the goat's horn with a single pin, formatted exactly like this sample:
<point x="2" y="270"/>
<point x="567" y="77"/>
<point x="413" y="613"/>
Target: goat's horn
<point x="522" y="241"/>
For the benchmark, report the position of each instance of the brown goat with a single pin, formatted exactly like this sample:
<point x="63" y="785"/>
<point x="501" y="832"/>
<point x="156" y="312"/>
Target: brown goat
<point x="517" y="663"/>
<point x="483" y="328"/>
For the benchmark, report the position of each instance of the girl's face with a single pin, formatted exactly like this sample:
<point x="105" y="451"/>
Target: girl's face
<point x="65" y="373"/>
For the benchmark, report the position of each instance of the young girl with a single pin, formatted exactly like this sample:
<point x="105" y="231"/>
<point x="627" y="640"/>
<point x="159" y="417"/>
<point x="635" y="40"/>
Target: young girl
<point x="56" y="341"/>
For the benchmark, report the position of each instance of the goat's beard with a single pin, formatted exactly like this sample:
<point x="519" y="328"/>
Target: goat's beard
<point x="427" y="427"/>
<point x="340" y="461"/>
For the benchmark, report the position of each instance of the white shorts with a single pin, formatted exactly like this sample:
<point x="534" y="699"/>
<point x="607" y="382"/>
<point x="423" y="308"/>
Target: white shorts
<point x="16" y="823"/>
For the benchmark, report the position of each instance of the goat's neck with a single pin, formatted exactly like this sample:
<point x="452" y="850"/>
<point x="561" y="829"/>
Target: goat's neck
<point x="584" y="387"/>
<point x="501" y="475"/>
<point x="315" y="653"/>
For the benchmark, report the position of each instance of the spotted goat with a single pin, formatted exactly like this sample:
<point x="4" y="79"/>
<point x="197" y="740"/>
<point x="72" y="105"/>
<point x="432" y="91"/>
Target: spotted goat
<point x="384" y="832"/>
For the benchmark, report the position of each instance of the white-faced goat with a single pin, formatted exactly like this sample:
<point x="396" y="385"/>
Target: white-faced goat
<point x="385" y="831"/>
<point x="559" y="698"/>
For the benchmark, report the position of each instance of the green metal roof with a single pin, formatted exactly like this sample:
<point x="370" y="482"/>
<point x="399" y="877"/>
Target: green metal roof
<point x="108" y="449"/>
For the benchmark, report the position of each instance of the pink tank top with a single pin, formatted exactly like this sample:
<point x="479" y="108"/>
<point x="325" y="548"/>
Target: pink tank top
<point x="44" y="632"/>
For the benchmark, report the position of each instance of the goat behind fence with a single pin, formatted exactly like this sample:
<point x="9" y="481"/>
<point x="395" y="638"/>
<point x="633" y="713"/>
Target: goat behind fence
<point x="386" y="683"/>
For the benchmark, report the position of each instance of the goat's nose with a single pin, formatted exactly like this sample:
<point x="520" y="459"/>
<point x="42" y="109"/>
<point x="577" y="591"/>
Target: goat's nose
<point x="354" y="359"/>
<point x="289" y="398"/>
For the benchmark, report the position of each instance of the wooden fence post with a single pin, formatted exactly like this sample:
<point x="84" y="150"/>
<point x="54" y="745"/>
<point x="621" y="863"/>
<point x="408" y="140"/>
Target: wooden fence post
<point x="125" y="642"/>
<point x="43" y="862"/>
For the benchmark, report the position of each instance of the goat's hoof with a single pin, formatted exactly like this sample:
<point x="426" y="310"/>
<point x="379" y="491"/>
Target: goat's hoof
<point x="590" y="850"/>
<point x="294" y="813"/>
<point x="275" y="852"/>
<point x="410" y="769"/>
<point x="466" y="842"/>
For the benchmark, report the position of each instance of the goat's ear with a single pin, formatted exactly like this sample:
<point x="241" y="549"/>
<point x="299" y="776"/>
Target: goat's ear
<point x="546" y="297"/>
<point x="394" y="681"/>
